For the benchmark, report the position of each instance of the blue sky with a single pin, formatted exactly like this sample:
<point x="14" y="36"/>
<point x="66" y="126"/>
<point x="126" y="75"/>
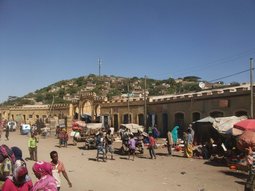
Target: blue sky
<point x="42" y="42"/>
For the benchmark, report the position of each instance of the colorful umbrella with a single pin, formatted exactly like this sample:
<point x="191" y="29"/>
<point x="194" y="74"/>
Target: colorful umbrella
<point x="247" y="124"/>
<point x="247" y="139"/>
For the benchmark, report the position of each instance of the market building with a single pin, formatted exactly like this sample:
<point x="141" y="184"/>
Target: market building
<point x="164" y="111"/>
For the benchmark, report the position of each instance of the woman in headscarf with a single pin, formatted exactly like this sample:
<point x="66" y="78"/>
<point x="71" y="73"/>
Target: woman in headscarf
<point x="188" y="144"/>
<point x="46" y="182"/>
<point x="18" y="156"/>
<point x="175" y="134"/>
<point x="19" y="160"/>
<point x="18" y="181"/>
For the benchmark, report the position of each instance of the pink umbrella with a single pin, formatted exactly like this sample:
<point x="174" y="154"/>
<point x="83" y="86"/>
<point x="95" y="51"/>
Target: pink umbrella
<point x="247" y="124"/>
<point x="247" y="139"/>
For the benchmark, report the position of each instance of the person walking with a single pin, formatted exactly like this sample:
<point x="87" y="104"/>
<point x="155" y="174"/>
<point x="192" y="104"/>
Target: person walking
<point x="131" y="146"/>
<point x="7" y="132"/>
<point x="32" y="147"/>
<point x="108" y="144"/>
<point x="100" y="143"/>
<point x="57" y="169"/>
<point x="63" y="137"/>
<point x="152" y="144"/>
<point x="169" y="141"/>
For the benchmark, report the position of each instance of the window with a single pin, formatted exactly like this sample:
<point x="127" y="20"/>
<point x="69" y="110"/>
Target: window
<point x="195" y="116"/>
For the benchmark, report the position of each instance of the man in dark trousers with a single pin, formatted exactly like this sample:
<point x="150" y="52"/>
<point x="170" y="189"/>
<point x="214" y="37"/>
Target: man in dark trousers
<point x="7" y="131"/>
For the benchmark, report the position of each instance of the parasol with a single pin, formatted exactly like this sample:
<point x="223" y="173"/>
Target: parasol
<point x="247" y="139"/>
<point x="247" y="124"/>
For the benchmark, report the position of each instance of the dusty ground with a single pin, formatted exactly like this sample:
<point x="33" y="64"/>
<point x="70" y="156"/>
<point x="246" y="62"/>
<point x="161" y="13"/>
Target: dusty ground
<point x="163" y="174"/>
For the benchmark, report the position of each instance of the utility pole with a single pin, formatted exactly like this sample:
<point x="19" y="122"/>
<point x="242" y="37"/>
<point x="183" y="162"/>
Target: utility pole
<point x="128" y="100"/>
<point x="251" y="85"/>
<point x="99" y="66"/>
<point x="51" y="107"/>
<point x="79" y="107"/>
<point x="145" y="103"/>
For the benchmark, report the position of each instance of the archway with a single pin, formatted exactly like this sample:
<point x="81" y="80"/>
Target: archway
<point x="195" y="116"/>
<point x="97" y="111"/>
<point x="216" y="114"/>
<point x="140" y="119"/>
<point x="241" y="113"/>
<point x="179" y="120"/>
<point x="116" y="122"/>
<point x="165" y="124"/>
<point x="86" y="108"/>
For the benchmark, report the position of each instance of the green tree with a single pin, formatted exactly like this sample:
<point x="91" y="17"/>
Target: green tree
<point x="39" y="97"/>
<point x="80" y="81"/>
<point x="191" y="78"/>
<point x="61" y="93"/>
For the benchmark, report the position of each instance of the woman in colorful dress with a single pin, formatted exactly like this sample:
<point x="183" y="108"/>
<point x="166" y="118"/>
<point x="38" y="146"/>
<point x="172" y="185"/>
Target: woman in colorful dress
<point x="46" y="182"/>
<point x="188" y="144"/>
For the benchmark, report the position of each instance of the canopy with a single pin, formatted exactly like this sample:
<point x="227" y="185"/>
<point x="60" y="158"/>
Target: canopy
<point x="214" y="128"/>
<point x="224" y="125"/>
<point x="248" y="124"/>
<point x="208" y="119"/>
<point x="95" y="125"/>
<point x="134" y="128"/>
<point x="247" y="139"/>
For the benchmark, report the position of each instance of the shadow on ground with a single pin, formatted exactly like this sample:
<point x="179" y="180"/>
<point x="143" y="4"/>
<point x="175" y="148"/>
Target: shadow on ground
<point x="216" y="163"/>
<point x="237" y="174"/>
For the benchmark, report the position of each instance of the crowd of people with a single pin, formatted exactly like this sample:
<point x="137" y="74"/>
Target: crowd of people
<point x="14" y="171"/>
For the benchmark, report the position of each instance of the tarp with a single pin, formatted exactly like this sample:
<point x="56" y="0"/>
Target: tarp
<point x="134" y="128"/>
<point x="208" y="119"/>
<point x="94" y="125"/>
<point x="224" y="125"/>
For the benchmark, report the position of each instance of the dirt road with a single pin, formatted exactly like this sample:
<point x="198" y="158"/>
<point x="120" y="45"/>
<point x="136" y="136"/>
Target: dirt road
<point x="163" y="174"/>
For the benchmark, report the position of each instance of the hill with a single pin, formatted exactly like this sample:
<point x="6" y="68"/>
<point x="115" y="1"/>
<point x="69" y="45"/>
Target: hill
<point x="110" y="87"/>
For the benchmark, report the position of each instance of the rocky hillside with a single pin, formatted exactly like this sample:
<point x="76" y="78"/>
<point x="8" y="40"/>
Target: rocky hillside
<point x="110" y="87"/>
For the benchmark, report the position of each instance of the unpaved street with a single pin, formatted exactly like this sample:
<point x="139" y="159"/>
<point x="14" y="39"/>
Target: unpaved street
<point x="163" y="174"/>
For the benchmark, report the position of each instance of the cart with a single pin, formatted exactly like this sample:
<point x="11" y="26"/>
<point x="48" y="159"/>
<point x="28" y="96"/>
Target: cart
<point x="137" y="131"/>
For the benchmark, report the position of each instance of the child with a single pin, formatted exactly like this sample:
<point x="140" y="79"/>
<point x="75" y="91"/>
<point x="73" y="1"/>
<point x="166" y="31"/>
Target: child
<point x="152" y="144"/>
<point x="131" y="144"/>
<point x="63" y="138"/>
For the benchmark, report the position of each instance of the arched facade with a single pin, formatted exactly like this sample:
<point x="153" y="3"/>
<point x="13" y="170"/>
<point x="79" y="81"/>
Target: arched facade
<point x="164" y="112"/>
<point x="182" y="109"/>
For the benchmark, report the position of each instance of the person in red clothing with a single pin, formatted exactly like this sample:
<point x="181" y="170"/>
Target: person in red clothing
<point x="63" y="137"/>
<point x="57" y="169"/>
<point x="19" y="181"/>
<point x="152" y="144"/>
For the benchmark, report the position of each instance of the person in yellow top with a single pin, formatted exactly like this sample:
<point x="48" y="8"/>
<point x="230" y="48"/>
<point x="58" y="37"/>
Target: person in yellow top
<point x="32" y="147"/>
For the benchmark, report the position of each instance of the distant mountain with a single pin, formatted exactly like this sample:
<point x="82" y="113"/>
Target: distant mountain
<point x="110" y="87"/>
